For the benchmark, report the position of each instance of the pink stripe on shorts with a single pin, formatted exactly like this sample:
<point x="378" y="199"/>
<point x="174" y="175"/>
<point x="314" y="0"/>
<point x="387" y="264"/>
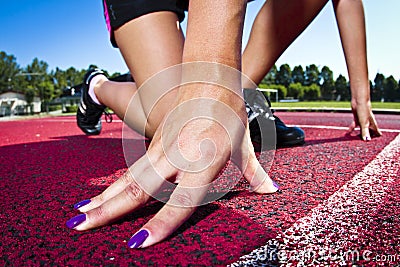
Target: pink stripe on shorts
<point x="107" y="17"/>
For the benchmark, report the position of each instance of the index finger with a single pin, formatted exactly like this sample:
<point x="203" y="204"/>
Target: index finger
<point x="144" y="181"/>
<point x="189" y="194"/>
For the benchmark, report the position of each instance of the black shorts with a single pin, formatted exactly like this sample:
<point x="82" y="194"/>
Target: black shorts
<point x="119" y="12"/>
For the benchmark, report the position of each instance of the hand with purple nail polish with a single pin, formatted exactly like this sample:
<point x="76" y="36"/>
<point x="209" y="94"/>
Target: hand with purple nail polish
<point x="205" y="128"/>
<point x="155" y="169"/>
<point x="76" y="221"/>
<point x="138" y="239"/>
<point x="82" y="203"/>
<point x="365" y="119"/>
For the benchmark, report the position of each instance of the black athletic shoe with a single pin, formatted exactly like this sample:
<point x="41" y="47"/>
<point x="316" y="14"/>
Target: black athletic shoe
<point x="89" y="113"/>
<point x="260" y="117"/>
<point x="288" y="136"/>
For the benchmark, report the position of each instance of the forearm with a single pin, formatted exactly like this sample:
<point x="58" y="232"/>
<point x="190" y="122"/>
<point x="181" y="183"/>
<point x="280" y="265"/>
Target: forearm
<point x="212" y="58"/>
<point x="351" y="23"/>
<point x="214" y="32"/>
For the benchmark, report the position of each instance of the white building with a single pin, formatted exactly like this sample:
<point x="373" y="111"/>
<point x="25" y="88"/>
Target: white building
<point x="13" y="103"/>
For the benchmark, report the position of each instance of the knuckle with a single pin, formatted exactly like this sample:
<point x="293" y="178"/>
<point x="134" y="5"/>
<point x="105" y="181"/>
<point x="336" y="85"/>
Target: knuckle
<point x="135" y="193"/>
<point x="182" y="199"/>
<point x="157" y="223"/>
<point x="98" y="214"/>
<point x="127" y="178"/>
<point x="101" y="197"/>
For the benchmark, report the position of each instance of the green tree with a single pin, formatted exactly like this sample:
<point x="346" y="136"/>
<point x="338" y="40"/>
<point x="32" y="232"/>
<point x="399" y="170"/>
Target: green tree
<point x="342" y="88"/>
<point x="115" y="74"/>
<point x="60" y="79"/>
<point x="270" y="78"/>
<point x="284" y="75"/>
<point x="398" y="91"/>
<point x="311" y="75"/>
<point x="391" y="89"/>
<point x="74" y="77"/>
<point x="298" y="75"/>
<point x="296" y="91"/>
<point x="35" y="74"/>
<point x="8" y="69"/>
<point x="328" y="84"/>
<point x="282" y="91"/>
<point x="47" y="93"/>
<point x="371" y="91"/>
<point x="311" y="92"/>
<point x="379" y="87"/>
<point x="29" y="96"/>
<point x="21" y="82"/>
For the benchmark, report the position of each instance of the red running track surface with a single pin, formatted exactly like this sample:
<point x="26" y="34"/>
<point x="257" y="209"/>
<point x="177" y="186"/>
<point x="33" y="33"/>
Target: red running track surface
<point x="47" y="165"/>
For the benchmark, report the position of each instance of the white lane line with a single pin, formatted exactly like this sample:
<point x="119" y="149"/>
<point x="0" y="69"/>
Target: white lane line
<point x="323" y="237"/>
<point x="339" y="128"/>
<point x="74" y="120"/>
<point x="301" y="126"/>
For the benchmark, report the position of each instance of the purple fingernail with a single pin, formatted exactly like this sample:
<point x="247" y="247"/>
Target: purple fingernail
<point x="275" y="184"/>
<point x="367" y="138"/>
<point x="82" y="203"/>
<point x="75" y="221"/>
<point x="138" y="239"/>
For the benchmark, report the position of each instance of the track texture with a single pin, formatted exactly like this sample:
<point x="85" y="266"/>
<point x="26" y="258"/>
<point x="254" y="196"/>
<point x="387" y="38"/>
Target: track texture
<point x="329" y="201"/>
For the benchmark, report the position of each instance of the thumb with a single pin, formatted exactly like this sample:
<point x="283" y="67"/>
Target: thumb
<point x="251" y="168"/>
<point x="259" y="180"/>
<point x="162" y="225"/>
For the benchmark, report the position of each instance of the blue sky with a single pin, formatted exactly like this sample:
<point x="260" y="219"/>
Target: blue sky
<point x="73" y="33"/>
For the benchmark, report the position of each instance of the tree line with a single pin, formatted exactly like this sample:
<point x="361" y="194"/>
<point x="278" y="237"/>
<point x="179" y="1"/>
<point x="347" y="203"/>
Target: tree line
<point x="315" y="84"/>
<point x="36" y="80"/>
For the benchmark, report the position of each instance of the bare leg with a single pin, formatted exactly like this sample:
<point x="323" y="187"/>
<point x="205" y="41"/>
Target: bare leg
<point x="277" y="25"/>
<point x="117" y="95"/>
<point x="350" y="20"/>
<point x="351" y="23"/>
<point x="147" y="50"/>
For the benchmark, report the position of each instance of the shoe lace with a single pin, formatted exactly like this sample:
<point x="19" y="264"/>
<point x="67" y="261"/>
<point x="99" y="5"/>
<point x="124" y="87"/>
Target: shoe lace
<point x="108" y="116"/>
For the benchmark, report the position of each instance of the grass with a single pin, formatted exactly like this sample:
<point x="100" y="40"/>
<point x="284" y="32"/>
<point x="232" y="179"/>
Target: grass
<point x="332" y="104"/>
